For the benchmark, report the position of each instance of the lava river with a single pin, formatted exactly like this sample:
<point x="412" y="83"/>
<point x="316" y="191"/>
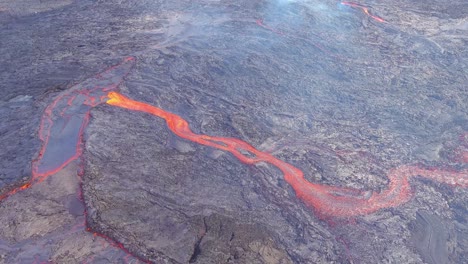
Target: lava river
<point x="65" y="119"/>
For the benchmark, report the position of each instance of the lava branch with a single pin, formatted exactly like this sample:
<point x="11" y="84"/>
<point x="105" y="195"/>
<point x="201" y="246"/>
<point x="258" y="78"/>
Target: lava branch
<point x="326" y="200"/>
<point x="365" y="10"/>
<point x="64" y="120"/>
<point x="61" y="131"/>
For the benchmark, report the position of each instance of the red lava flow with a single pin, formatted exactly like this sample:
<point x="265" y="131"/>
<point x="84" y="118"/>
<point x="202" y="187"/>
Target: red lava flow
<point x="65" y="119"/>
<point x="365" y="10"/>
<point x="326" y="200"/>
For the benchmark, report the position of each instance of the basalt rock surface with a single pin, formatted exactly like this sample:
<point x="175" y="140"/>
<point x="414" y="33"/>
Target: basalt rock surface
<point x="321" y="85"/>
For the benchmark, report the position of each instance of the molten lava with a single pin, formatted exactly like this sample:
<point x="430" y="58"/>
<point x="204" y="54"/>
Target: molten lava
<point x="365" y="10"/>
<point x="65" y="119"/>
<point x="326" y="200"/>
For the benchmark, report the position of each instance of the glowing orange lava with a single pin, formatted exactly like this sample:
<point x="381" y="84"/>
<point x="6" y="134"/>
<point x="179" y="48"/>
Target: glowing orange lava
<point x="65" y="119"/>
<point x="365" y="10"/>
<point x="326" y="200"/>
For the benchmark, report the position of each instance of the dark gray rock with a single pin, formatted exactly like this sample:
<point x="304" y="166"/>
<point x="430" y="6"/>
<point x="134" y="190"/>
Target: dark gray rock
<point x="430" y="237"/>
<point x="319" y="85"/>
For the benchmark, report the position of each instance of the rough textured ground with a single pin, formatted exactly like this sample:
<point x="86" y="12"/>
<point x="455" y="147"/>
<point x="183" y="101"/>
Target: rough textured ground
<point x="320" y="85"/>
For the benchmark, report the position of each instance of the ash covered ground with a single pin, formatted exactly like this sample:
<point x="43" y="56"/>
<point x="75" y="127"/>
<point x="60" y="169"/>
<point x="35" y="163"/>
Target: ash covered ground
<point x="322" y="85"/>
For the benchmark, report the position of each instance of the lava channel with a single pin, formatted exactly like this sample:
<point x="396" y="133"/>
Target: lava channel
<point x="65" y="119"/>
<point x="326" y="200"/>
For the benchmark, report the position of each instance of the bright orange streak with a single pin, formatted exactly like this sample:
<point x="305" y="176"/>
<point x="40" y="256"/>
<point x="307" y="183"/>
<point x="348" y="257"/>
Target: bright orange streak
<point x="364" y="9"/>
<point x="326" y="200"/>
<point x="10" y="193"/>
